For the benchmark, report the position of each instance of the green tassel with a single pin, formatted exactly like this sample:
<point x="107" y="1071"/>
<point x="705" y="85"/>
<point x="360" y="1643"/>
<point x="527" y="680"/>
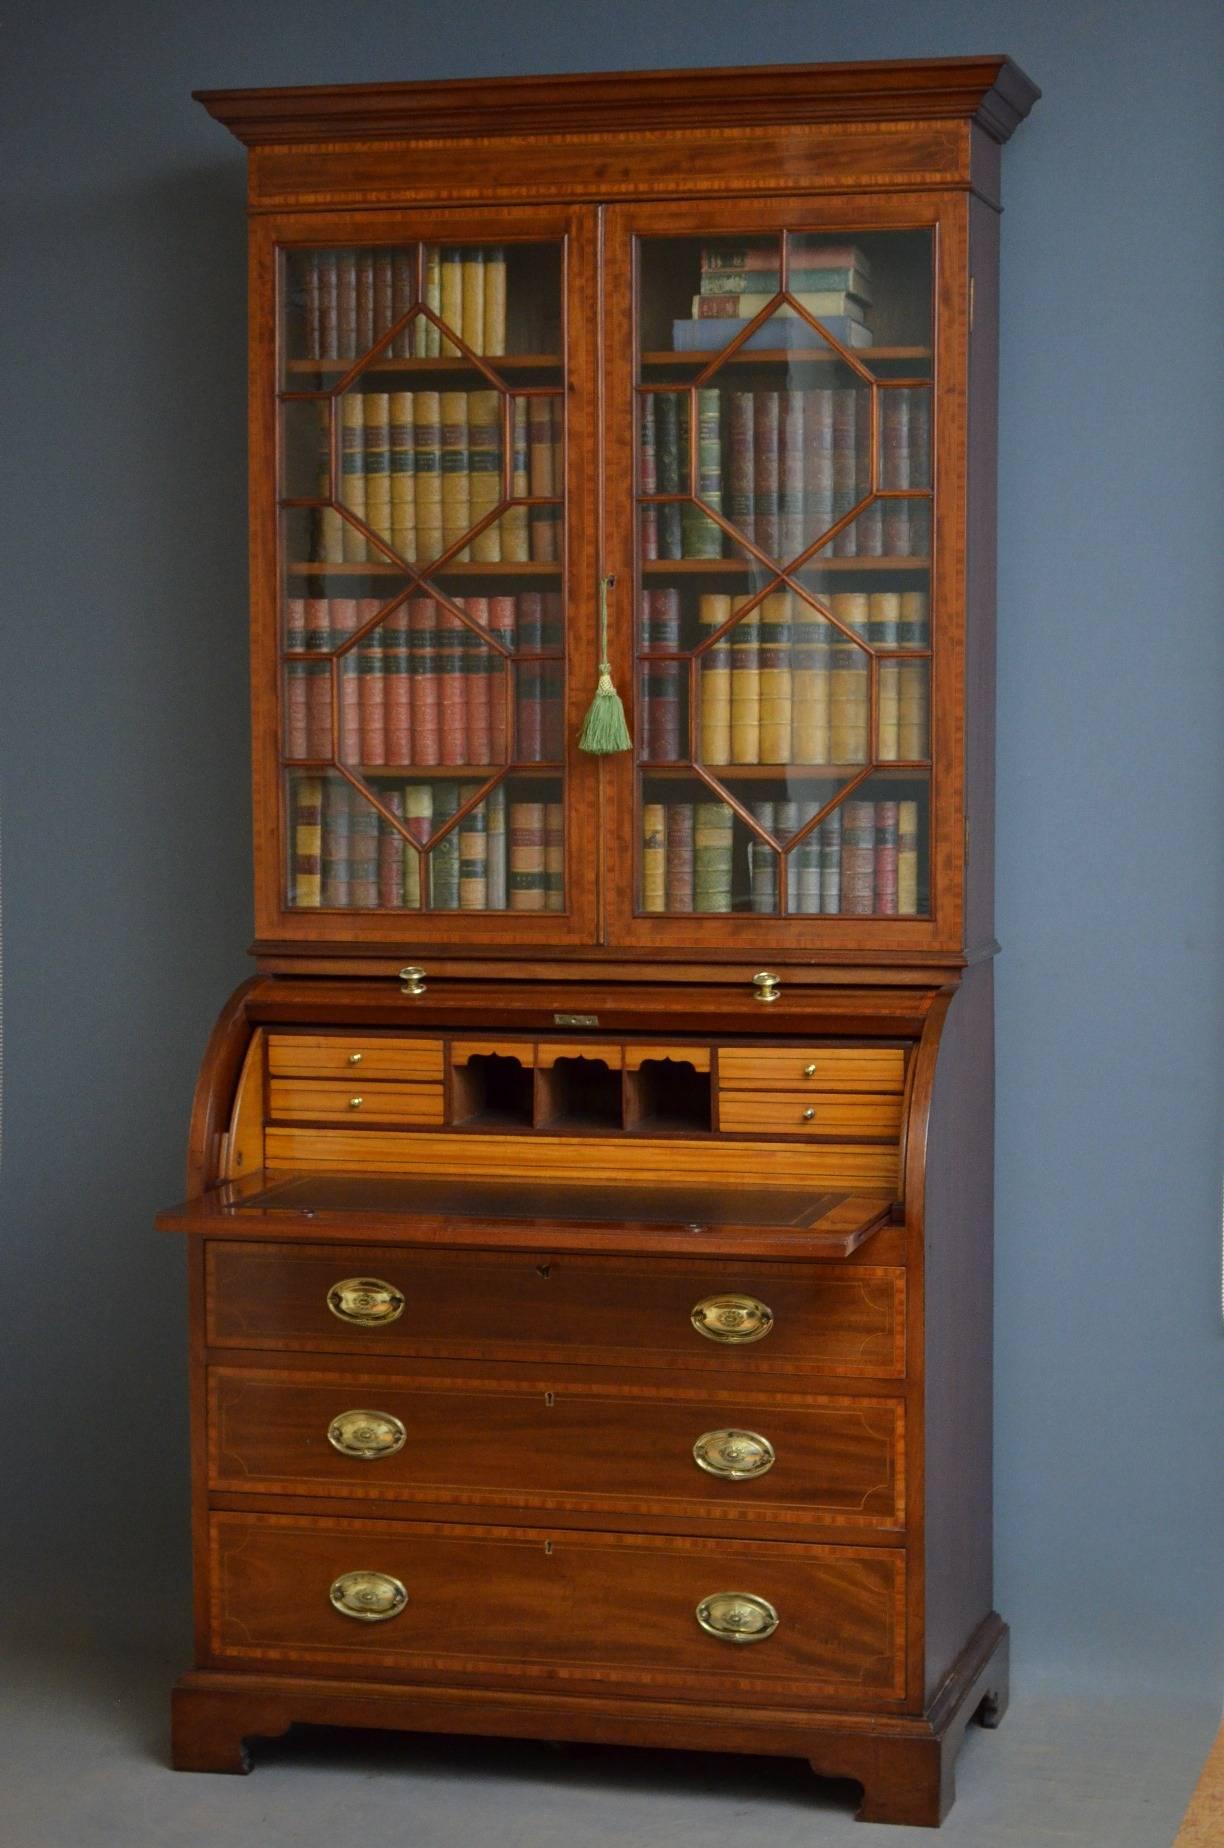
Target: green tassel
<point x="604" y="730"/>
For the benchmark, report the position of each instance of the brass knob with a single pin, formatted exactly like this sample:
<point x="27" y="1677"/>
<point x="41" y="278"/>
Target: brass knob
<point x="734" y="1455"/>
<point x="370" y="1597"/>
<point x="413" y="978"/>
<point x="354" y="1058"/>
<point x="365" y="1302"/>
<point x="366" y="1435"/>
<point x="809" y="1071"/>
<point x="355" y="1103"/>
<point x="767" y="986"/>
<point x="732" y="1318"/>
<point x="809" y="1116"/>
<point x="737" y="1617"/>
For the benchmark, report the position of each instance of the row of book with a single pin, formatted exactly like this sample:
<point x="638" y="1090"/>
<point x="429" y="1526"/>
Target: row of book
<point x="785" y="686"/>
<point x="351" y="298"/>
<point x="422" y="468"/>
<point x="421" y="687"/>
<point x="503" y="856"/>
<point x="862" y="860"/>
<point x="782" y="467"/>
<point x="830" y="282"/>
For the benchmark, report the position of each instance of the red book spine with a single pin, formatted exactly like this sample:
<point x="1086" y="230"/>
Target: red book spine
<point x="845" y="477"/>
<point x="679" y="856"/>
<point x="869" y="527"/>
<point x="402" y="281"/>
<point x="481" y="663"/>
<point x="340" y="618"/>
<point x="346" y="304"/>
<point x="370" y="687"/>
<point x="648" y="475"/>
<point x="364" y="823"/>
<point x="528" y="716"/>
<point x="317" y="682"/>
<point x="886" y="859"/>
<point x="311" y="292"/>
<point x="661" y="631"/>
<point x="790" y="473"/>
<point x="741" y="475"/>
<point x="365" y="300"/>
<point x="384" y="292"/>
<point x="895" y="468"/>
<point x="858" y="860"/>
<point x="329" y="305"/>
<point x="501" y="624"/>
<point x="397" y="687"/>
<point x="452" y="719"/>
<point x="391" y="853"/>
<point x="423" y="658"/>
<point x="765" y="468"/>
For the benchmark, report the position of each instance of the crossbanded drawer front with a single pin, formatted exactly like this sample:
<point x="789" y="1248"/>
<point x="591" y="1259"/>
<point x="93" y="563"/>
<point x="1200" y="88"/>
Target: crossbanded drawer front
<point x="354" y="1101"/>
<point x="564" y="1446"/>
<point x="762" y="1318"/>
<point x="817" y="1068"/>
<point x="335" y="1055"/>
<point x="804" y="1113"/>
<point x="527" y="1607"/>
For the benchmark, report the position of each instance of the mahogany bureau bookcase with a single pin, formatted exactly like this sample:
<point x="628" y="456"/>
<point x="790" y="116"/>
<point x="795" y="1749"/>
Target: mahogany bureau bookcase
<point x="589" y="1200"/>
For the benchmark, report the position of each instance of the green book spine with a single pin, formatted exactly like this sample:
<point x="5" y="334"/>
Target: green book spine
<point x="712" y="850"/>
<point x="444" y="860"/>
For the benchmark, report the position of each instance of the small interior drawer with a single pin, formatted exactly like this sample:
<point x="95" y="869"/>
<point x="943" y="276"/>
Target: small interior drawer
<point x="818" y="1068"/>
<point x="809" y="1113"/>
<point x="331" y="1055"/>
<point x="354" y="1101"/>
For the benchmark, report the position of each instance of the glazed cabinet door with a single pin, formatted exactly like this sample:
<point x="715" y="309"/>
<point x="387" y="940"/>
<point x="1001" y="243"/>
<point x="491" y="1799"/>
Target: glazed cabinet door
<point x="422" y="400"/>
<point x="784" y="425"/>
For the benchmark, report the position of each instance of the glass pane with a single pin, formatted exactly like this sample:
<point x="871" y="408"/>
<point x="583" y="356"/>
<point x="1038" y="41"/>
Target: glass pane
<point x="505" y="853"/>
<point x="872" y="852"/>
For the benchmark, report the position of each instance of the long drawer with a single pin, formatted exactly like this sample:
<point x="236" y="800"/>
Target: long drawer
<point x="354" y="1101"/>
<point x="712" y="1619"/>
<point x="818" y="1068"/>
<point x="809" y="1113"/>
<point x="354" y="1056"/>
<point x="567" y="1445"/>
<point x="760" y="1318"/>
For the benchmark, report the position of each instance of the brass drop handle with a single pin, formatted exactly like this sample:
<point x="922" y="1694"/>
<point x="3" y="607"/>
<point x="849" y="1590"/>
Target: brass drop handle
<point x="809" y="1071"/>
<point x="366" y="1435"/>
<point x="354" y="1058"/>
<point x="365" y="1302"/>
<point x="732" y="1318"/>
<point x="733" y="1455"/>
<point x="355" y="1103"/>
<point x="737" y="1617"/>
<point x="370" y="1597"/>
<point x="809" y="1116"/>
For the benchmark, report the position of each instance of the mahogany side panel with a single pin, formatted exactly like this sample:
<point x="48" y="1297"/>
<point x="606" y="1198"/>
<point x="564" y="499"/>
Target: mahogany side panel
<point x="980" y="576"/>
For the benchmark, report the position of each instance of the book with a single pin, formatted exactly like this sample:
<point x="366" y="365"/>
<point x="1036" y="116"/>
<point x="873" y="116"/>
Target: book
<point x="648" y="476"/>
<point x="885" y="859"/>
<point x="701" y="336"/>
<point x="377" y="468"/>
<point x="763" y="863"/>
<point x="672" y="468"/>
<point x="514" y="523"/>
<point x="679" y="857"/>
<point x="502" y="620"/>
<point x="907" y="859"/>
<point x="702" y="537"/>
<point x="402" y="284"/>
<point x="868" y="528"/>
<point x="775" y="679"/>
<point x="845" y="466"/>
<point x="479" y="665"/>
<point x="810" y="642"/>
<point x="456" y="479"/>
<point x="540" y="451"/>
<point x="401" y="463"/>
<point x="473" y="852"/>
<point x="552" y="679"/>
<point x="370" y="656"/>
<point x="713" y="841"/>
<point x="328" y="306"/>
<point x="471" y="323"/>
<point x="746" y="687"/>
<point x="654" y="857"/>
<point x="452" y="688"/>
<point x="766" y="416"/>
<point x="485" y="465"/>
<point x="448" y="798"/>
<point x="365" y="301"/>
<point x="391" y="848"/>
<point x="803" y="864"/>
<point x="742" y="305"/>
<point x="914" y="623"/>
<point x="296" y="676"/>
<point x="529" y="680"/>
<point x="919" y="435"/>
<point x="352" y="474"/>
<point x="426" y="335"/>
<point x="913" y="729"/>
<point x="306" y="275"/>
<point x="364" y="821"/>
<point x="451" y="295"/>
<point x="858" y="859"/>
<point x="494" y="301"/>
<point x="346" y="304"/>
<point x="338" y="617"/>
<point x="849" y="682"/>
<point x="661" y="680"/>
<point x="554" y="856"/>
<point x="818" y="512"/>
<point x="714" y="729"/>
<point x="805" y="251"/>
<point x="418" y="819"/>
<point x="384" y="294"/>
<point x="397" y="687"/>
<point x="423" y="661"/>
<point x="830" y="862"/>
<point x="741" y="470"/>
<point x="336" y="849"/>
<point x="790" y="473"/>
<point x="527" y="847"/>
<point x="495" y="810"/>
<point x="427" y="435"/>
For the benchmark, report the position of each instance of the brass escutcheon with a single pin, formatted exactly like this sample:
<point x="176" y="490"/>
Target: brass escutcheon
<point x="370" y="1597"/>
<point x="732" y="1318"/>
<point x="737" y="1617"/>
<point x="365" y="1302"/>
<point x="734" y="1455"/>
<point x="367" y="1435"/>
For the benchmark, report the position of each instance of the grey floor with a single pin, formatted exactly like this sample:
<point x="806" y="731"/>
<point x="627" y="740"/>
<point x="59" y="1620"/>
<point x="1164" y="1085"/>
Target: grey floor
<point x="82" y="1765"/>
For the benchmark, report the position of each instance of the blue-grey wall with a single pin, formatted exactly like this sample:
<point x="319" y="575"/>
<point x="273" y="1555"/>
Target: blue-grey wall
<point x="126" y="836"/>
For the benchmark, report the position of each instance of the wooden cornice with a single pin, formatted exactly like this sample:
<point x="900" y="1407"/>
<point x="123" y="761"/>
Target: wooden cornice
<point x="992" y="92"/>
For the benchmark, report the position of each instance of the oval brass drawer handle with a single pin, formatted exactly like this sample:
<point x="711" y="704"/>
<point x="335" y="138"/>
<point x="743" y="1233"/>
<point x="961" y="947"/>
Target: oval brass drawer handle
<point x="365" y="1302"/>
<point x="737" y="1617"/>
<point x="370" y="1597"/>
<point x="734" y="1455"/>
<point x="367" y="1435"/>
<point x="732" y="1318"/>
